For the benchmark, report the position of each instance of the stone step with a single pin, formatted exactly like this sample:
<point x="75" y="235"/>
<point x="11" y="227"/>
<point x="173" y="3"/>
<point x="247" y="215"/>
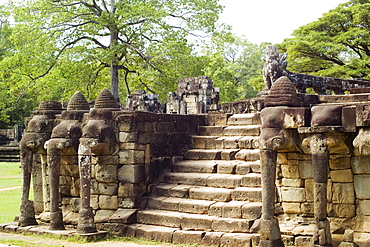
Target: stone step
<point x="178" y="236"/>
<point x="218" y="166"/>
<point x="193" y="222"/>
<point x="223" y="154"/>
<point x="231" y="209"/>
<point x="248" y="155"/>
<point x="248" y="194"/>
<point x="211" y="130"/>
<point x="225" y="142"/>
<point x="244" y="119"/>
<point x="215" y="180"/>
<point x="203" y="166"/>
<point x="242" y="130"/>
<point x="202" y="154"/>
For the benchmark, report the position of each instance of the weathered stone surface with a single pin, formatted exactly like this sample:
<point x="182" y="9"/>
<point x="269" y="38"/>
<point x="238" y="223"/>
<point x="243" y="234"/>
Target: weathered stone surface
<point x="251" y="180"/>
<point x="291" y="182"/>
<point x="227" y="167"/>
<point x="128" y="136"/>
<point x="202" y="154"/>
<point x="103" y="215"/>
<point x="108" y="202"/>
<point x="187" y="237"/>
<point x="292" y="207"/>
<point x="187" y="178"/>
<point x="237" y="240"/>
<point x="252" y="210"/>
<point x="197" y="222"/>
<point x="305" y="169"/>
<point x="224" y="180"/>
<point x="341" y="176"/>
<point x="232" y="209"/>
<point x="212" y="238"/>
<point x="247" y="194"/>
<point x="291" y="194"/>
<point x="131" y="189"/>
<point x="248" y="130"/>
<point x="309" y="187"/>
<point x="132" y="174"/>
<point x="216" y="209"/>
<point x="195" y="206"/>
<point x="211" y="194"/>
<point x="360" y="165"/>
<point x="344" y="193"/>
<point x="132" y="157"/>
<point x="289" y="171"/>
<point x="160" y="218"/>
<point x="155" y="233"/>
<point x="362" y="188"/>
<point x="363" y="207"/>
<point x="344" y="210"/>
<point x="248" y="155"/>
<point x="339" y="162"/>
<point x="124" y="216"/>
<point x="231" y="225"/>
<point x="206" y="166"/>
<point x="106" y="173"/>
<point x="108" y="189"/>
<point x="362" y="223"/>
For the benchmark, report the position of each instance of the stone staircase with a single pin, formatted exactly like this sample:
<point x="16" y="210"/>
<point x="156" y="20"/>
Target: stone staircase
<point x="213" y="196"/>
<point x="9" y="153"/>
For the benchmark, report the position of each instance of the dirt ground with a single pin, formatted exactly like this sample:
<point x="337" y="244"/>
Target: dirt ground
<point x="32" y="241"/>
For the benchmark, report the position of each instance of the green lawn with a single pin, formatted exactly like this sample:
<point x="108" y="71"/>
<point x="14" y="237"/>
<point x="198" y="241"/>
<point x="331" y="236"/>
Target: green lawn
<point x="10" y="176"/>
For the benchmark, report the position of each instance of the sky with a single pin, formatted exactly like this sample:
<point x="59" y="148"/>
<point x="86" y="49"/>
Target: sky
<point x="272" y="20"/>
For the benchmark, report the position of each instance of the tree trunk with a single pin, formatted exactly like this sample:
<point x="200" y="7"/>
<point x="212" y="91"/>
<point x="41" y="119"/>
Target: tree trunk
<point x="114" y="60"/>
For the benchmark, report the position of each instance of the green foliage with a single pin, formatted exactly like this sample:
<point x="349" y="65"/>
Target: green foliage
<point x="336" y="45"/>
<point x="235" y="66"/>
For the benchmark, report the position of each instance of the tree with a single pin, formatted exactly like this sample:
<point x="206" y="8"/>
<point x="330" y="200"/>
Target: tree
<point x="120" y="35"/>
<point x="235" y="65"/>
<point x="336" y="45"/>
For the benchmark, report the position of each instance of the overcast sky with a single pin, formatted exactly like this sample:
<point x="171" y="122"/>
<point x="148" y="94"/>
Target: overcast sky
<point x="272" y="20"/>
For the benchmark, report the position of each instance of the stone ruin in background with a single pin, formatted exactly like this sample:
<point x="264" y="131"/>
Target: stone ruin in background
<point x="287" y="168"/>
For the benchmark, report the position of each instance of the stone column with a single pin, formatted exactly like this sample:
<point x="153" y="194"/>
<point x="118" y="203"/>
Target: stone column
<point x="56" y="216"/>
<point x="86" y="220"/>
<point x="270" y="231"/>
<point x="318" y="144"/>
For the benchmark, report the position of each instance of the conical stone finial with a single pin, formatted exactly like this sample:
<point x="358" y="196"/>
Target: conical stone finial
<point x="283" y="85"/>
<point x="283" y="93"/>
<point x="78" y="102"/>
<point x="49" y="105"/>
<point x="106" y="100"/>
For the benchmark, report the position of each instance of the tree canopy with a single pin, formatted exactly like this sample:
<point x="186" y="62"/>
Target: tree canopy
<point x="336" y="45"/>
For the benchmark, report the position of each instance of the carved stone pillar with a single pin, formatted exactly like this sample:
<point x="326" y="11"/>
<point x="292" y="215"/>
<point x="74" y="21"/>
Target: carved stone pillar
<point x="318" y="143"/>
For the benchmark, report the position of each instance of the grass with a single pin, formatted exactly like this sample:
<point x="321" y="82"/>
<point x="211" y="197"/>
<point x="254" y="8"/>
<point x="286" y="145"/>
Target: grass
<point x="10" y="200"/>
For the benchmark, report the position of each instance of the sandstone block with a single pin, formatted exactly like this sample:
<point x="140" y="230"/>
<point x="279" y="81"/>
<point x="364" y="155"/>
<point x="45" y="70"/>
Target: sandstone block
<point x="132" y="174"/>
<point x="225" y="181"/>
<point x="194" y="206"/>
<point x="292" y="182"/>
<point x="305" y="169"/>
<point x="127" y="216"/>
<point x="188" y="237"/>
<point x="247" y="194"/>
<point x="160" y="218"/>
<point x="251" y="180"/>
<point x="231" y="225"/>
<point x="232" y="209"/>
<point x="128" y="136"/>
<point x="229" y="154"/>
<point x="211" y="194"/>
<point x="360" y="165"/>
<point x="155" y="233"/>
<point x="212" y="238"/>
<point x="252" y="210"/>
<point x="226" y="167"/>
<point x="292" y="207"/>
<point x="106" y="173"/>
<point x="362" y="187"/>
<point x="216" y="209"/>
<point x="108" y="189"/>
<point x="103" y="215"/>
<point x="341" y="176"/>
<point x="344" y="210"/>
<point x="307" y="208"/>
<point x="132" y="202"/>
<point x="131" y="189"/>
<point x="291" y="194"/>
<point x="363" y="207"/>
<point x="108" y="202"/>
<point x="248" y="155"/>
<point x="290" y="171"/>
<point x="132" y="157"/>
<point x="94" y="201"/>
<point x="237" y="240"/>
<point x="343" y="193"/>
<point x="197" y="222"/>
<point x="339" y="163"/>
<point x="132" y="146"/>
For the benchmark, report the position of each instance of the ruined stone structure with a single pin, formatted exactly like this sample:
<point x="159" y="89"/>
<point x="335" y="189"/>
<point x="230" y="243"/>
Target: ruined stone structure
<point x="193" y="96"/>
<point x="283" y="169"/>
<point x="141" y="101"/>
